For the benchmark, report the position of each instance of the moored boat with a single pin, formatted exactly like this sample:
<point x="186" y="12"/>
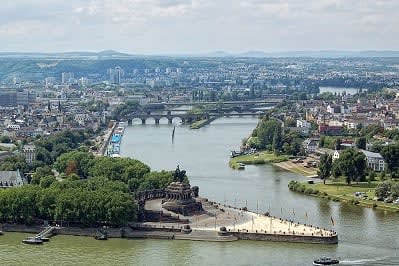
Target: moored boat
<point x="101" y="237"/>
<point x="241" y="166"/>
<point x="325" y="261"/>
<point x="33" y="241"/>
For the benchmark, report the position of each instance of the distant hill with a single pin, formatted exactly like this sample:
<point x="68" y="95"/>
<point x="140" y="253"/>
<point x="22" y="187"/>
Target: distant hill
<point x="111" y="54"/>
<point x="67" y="55"/>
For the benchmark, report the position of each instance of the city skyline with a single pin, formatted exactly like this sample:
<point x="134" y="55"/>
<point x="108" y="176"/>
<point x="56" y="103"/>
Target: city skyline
<point x="198" y="26"/>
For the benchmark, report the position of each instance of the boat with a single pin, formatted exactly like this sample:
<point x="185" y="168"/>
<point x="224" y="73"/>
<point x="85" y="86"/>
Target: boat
<point x="325" y="261"/>
<point x="45" y="239"/>
<point x="101" y="237"/>
<point x="241" y="166"/>
<point x="33" y="241"/>
<point x="120" y="130"/>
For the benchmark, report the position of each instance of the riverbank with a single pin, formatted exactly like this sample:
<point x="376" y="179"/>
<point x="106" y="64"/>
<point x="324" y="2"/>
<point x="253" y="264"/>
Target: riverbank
<point x="262" y="157"/>
<point x="341" y="192"/>
<point x="104" y="139"/>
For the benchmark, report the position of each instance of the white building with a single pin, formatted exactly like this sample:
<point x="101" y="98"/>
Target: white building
<point x="375" y="161"/>
<point x="303" y="123"/>
<point x="29" y="151"/>
<point x="310" y="145"/>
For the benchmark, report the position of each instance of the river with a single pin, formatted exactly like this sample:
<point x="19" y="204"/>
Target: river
<point x="367" y="237"/>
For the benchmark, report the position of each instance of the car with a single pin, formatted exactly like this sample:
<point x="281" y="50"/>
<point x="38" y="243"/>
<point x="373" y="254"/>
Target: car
<point x="388" y="200"/>
<point x="360" y="194"/>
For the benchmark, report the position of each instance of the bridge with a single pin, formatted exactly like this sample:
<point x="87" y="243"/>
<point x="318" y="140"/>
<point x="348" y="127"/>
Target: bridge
<point x="268" y="101"/>
<point x="187" y="117"/>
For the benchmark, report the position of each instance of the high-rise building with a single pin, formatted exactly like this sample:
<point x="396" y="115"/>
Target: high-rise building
<point x="13" y="98"/>
<point x="66" y="77"/>
<point x="115" y="75"/>
<point x="8" y="98"/>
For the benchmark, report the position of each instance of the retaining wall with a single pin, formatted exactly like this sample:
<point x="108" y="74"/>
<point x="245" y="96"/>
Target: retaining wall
<point x="286" y="238"/>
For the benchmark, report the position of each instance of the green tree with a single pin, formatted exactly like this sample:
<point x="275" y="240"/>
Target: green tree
<point x="337" y="144"/>
<point x="322" y="141"/>
<point x="361" y="143"/>
<point x="325" y="167"/>
<point x="382" y="190"/>
<point x="352" y="164"/>
<point x="391" y="157"/>
<point x="46" y="181"/>
<point x="277" y="140"/>
<point x="39" y="173"/>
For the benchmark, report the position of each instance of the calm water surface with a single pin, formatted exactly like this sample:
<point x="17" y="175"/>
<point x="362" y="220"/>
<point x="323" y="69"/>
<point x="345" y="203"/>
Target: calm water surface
<point x="367" y="237"/>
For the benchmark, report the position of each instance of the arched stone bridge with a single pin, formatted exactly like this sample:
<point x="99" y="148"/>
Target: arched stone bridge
<point x="185" y="118"/>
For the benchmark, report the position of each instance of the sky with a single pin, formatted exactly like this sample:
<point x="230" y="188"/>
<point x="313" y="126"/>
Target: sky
<point x="198" y="26"/>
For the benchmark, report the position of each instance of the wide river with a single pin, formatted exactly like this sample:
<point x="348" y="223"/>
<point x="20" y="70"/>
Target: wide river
<point x="366" y="236"/>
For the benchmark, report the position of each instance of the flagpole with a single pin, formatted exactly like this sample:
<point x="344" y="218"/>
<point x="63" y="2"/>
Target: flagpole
<point x="257" y="207"/>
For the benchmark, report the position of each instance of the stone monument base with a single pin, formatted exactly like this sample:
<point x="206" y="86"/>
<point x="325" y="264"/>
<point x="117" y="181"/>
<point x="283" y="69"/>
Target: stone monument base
<point x="179" y="199"/>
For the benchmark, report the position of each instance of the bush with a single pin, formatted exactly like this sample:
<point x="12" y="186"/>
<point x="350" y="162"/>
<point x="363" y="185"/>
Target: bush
<point x="309" y="191"/>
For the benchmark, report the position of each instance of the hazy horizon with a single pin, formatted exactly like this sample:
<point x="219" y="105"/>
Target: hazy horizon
<point x="198" y="26"/>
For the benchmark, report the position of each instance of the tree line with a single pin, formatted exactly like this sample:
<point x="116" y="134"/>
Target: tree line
<point x="72" y="185"/>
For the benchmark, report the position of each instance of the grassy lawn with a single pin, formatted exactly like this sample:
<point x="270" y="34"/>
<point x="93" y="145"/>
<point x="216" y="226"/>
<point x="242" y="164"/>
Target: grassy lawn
<point x="257" y="158"/>
<point x="340" y="191"/>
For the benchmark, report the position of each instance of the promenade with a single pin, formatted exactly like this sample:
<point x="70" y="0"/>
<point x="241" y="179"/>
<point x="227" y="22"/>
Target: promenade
<point x="216" y="215"/>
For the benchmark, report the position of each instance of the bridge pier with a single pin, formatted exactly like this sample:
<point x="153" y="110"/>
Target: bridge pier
<point x="156" y="121"/>
<point x="143" y="121"/>
<point x="129" y="122"/>
<point x="170" y="120"/>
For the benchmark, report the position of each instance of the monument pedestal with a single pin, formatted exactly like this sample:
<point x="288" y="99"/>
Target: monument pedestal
<point x="179" y="199"/>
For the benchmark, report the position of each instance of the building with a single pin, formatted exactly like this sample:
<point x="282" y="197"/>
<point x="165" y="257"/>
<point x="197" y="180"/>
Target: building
<point x="303" y="123"/>
<point x="29" y="152"/>
<point x="115" y="75"/>
<point x="66" y="77"/>
<point x="311" y="144"/>
<point x="10" y="98"/>
<point x="11" y="179"/>
<point x="375" y="161"/>
<point x="336" y="154"/>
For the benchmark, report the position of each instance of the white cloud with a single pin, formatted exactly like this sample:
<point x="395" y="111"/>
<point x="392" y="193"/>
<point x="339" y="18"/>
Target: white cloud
<point x="157" y="26"/>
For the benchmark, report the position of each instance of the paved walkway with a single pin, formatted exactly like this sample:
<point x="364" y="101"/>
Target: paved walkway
<point x="217" y="215"/>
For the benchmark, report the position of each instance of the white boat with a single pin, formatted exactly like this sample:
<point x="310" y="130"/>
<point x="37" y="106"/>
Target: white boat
<point x="33" y="241"/>
<point x="325" y="261"/>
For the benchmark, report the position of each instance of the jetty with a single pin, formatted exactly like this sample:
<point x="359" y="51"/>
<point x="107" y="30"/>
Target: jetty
<point x="41" y="237"/>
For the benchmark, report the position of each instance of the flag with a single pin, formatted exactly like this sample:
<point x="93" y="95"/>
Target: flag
<point x="332" y="221"/>
<point x="293" y="212"/>
<point x="306" y="215"/>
